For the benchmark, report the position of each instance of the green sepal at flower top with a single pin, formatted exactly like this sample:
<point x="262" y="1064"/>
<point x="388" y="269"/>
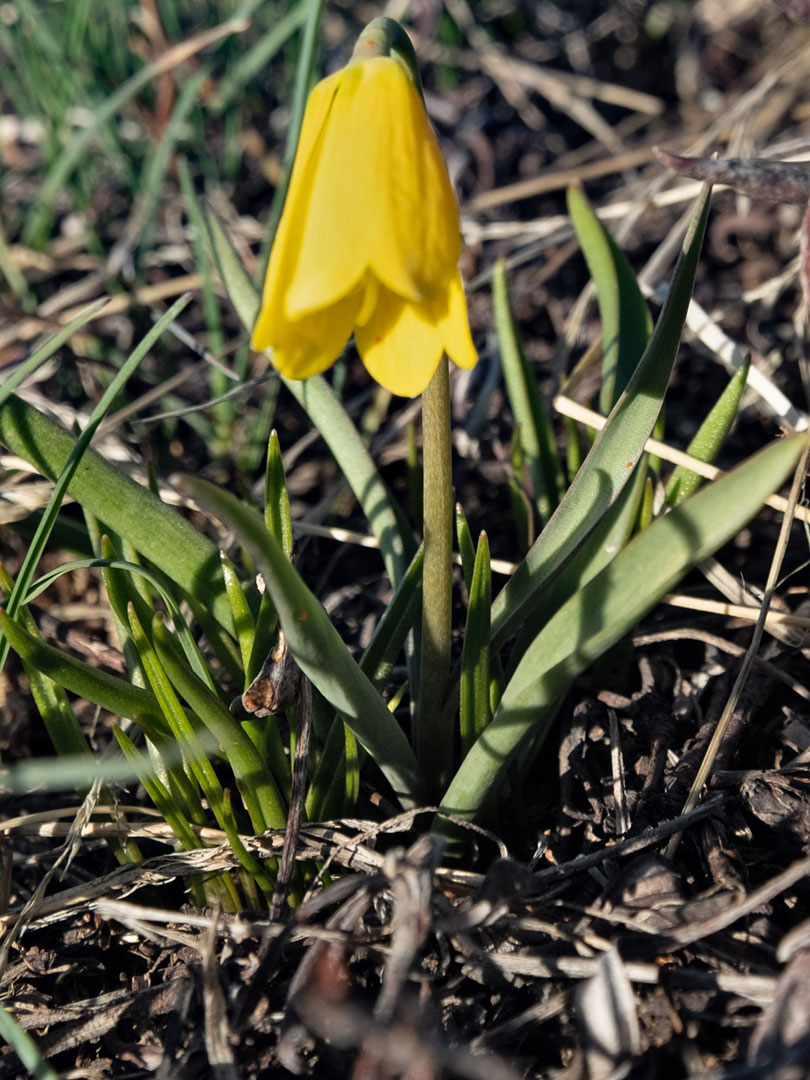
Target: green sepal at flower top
<point x="385" y="37"/>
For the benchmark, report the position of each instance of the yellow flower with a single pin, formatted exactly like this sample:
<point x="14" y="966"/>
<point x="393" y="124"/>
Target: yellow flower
<point x="369" y="239"/>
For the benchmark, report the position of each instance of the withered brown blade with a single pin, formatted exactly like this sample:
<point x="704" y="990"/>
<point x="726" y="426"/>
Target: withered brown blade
<point x="277" y="685"/>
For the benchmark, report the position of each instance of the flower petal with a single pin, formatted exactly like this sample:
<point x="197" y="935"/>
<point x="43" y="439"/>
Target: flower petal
<point x="379" y="196"/>
<point x="284" y="256"/>
<point x="402" y="343"/>
<point x="309" y="345"/>
<point x="455" y="325"/>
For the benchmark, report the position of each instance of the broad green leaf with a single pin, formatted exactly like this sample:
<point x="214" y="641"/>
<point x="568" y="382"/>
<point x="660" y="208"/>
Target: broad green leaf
<point x="117" y="696"/>
<point x="613" y="455"/>
<point x="157" y="531"/>
<point x="612" y="602"/>
<point x="317" y="647"/>
<point x="603" y="545"/>
<point x="71" y="466"/>
<point x="626" y="323"/>
<point x="709" y="438"/>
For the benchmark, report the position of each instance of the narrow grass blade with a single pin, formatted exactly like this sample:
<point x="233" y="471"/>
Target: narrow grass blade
<point x="122" y="590"/>
<point x="573" y="449"/>
<point x="184" y="730"/>
<point x="523" y="517"/>
<point x="259" y="55"/>
<point x="39" y="217"/>
<point x="210" y="300"/>
<point x="534" y="430"/>
<point x="326" y="797"/>
<point x="317" y="647"/>
<point x="45" y="351"/>
<point x="24" y="1047"/>
<point x="612" y="602"/>
<point x="626" y="323"/>
<point x="709" y="438"/>
<point x="37" y="546"/>
<point x="139" y="226"/>
<point x="474" y="696"/>
<point x="15" y="277"/>
<point x="54" y="708"/>
<point x="159" y="794"/>
<point x="615" y="452"/>
<point x="164" y="802"/>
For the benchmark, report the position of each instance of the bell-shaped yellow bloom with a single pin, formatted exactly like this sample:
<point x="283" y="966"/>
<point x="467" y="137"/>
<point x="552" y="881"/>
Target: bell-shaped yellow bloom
<point x="369" y="239"/>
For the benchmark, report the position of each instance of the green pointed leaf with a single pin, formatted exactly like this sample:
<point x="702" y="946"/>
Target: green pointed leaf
<point x="262" y="798"/>
<point x="534" y="430"/>
<point x="626" y="323"/>
<point x="396" y="623"/>
<point x="466" y="547"/>
<point x="242" y="617"/>
<point x="317" y="647"/>
<point x="615" y="452"/>
<point x="709" y="438"/>
<point x="117" y="696"/>
<point x="474" y="690"/>
<point x="160" y="795"/>
<point x="276" y="500"/>
<point x="612" y="602"/>
<point x="601" y="547"/>
<point x="186" y="731"/>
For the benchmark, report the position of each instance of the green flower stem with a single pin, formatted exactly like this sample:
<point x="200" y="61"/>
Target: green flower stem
<point x="434" y="728"/>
